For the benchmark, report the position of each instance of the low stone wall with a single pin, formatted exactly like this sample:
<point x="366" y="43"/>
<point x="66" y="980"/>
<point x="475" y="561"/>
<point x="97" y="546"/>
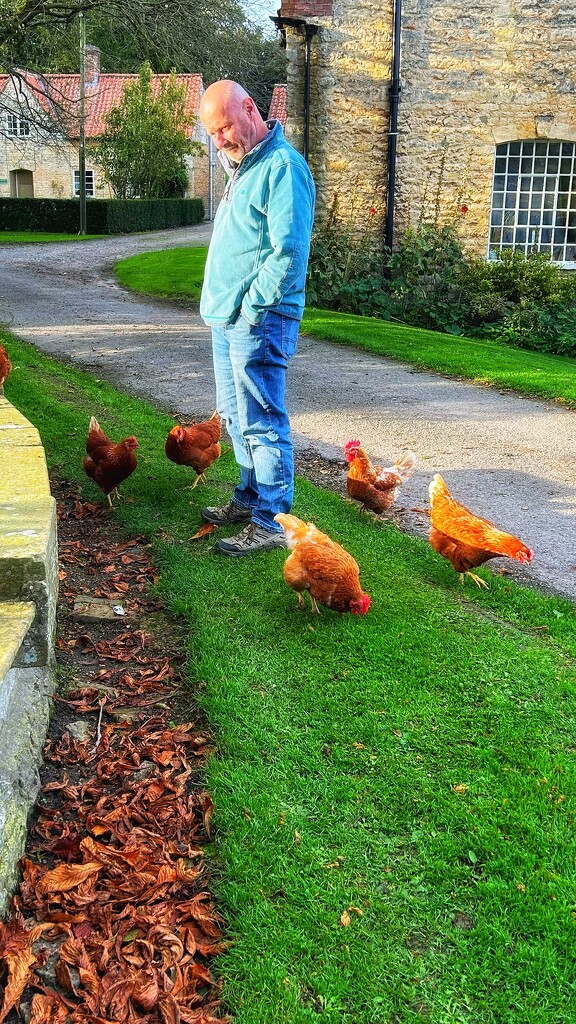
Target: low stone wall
<point x="28" y="593"/>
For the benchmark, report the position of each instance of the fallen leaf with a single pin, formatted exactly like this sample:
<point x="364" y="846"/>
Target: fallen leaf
<point x="48" y="1009"/>
<point x="204" y="530"/>
<point x="67" y="877"/>
<point x="460" y="788"/>
<point x="345" y="918"/>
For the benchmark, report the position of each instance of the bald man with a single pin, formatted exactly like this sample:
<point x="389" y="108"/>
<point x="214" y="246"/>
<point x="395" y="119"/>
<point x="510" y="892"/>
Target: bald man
<point x="253" y="299"/>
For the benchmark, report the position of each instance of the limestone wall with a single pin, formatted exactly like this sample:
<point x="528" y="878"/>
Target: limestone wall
<point x="28" y="592"/>
<point x="350" y="67"/>
<point x="473" y="75"/>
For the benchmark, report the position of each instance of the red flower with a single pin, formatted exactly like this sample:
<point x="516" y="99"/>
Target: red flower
<point x="464" y="209"/>
<point x="372" y="211"/>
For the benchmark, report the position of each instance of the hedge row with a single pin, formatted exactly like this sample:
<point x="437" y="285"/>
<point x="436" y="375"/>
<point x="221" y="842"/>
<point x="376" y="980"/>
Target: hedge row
<point x="104" y="216"/>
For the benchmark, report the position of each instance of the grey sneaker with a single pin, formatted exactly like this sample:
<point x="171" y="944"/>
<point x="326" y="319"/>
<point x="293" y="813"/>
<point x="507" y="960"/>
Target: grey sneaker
<point x="251" y="539"/>
<point x="228" y="513"/>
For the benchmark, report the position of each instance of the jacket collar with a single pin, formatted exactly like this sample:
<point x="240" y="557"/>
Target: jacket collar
<point x="275" y="134"/>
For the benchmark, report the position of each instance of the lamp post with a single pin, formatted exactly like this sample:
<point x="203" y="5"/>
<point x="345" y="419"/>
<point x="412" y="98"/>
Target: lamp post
<point x="82" y="144"/>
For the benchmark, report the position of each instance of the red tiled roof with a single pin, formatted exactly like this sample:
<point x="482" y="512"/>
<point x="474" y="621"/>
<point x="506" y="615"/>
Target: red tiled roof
<point x="101" y="97"/>
<point x="278" y="105"/>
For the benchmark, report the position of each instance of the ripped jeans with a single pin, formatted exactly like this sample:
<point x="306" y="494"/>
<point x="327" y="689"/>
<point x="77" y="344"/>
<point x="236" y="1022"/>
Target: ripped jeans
<point x="250" y="365"/>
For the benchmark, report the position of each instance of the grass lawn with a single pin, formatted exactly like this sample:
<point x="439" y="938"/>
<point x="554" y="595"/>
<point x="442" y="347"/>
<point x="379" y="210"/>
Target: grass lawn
<point x="395" y="795"/>
<point x="177" y="273"/>
<point x="11" y="237"/>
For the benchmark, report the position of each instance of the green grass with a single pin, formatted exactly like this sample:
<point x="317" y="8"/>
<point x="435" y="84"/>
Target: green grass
<point x="416" y="764"/>
<point x="12" y="237"/>
<point x="177" y="273"/>
<point x="483" y="362"/>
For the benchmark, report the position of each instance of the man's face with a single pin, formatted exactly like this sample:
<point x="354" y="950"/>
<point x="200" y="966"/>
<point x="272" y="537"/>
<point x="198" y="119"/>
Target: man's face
<point x="231" y="128"/>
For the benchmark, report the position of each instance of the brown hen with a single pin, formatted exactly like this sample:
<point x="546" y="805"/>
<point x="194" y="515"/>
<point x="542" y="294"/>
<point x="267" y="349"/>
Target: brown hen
<point x="5" y="366"/>
<point x="466" y="540"/>
<point x="376" y="488"/>
<point x="197" y="446"/>
<point x="108" y="464"/>
<point x="320" y="566"/>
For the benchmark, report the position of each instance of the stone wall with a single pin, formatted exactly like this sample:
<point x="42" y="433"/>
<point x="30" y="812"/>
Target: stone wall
<point x="473" y="75"/>
<point x="28" y="593"/>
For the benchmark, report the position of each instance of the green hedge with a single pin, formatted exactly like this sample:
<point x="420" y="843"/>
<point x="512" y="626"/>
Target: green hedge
<point x="104" y="216"/>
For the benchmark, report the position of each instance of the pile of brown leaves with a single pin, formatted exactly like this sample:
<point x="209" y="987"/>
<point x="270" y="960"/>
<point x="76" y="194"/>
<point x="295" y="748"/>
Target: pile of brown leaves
<point x="113" y="922"/>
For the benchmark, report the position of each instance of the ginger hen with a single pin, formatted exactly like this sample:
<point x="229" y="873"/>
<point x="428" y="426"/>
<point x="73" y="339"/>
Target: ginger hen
<point x="319" y="565"/>
<point x="466" y="540"/>
<point x="376" y="488"/>
<point x="197" y="446"/>
<point x="5" y="366"/>
<point x="108" y="464"/>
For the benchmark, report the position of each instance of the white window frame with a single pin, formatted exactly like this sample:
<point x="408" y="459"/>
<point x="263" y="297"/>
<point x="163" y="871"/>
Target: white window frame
<point x="533" y="205"/>
<point x="90" y="183"/>
<point x="15" y="126"/>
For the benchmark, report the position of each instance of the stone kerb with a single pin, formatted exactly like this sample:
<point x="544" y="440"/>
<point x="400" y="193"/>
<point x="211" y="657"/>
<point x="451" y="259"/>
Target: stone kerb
<point x="28" y="593"/>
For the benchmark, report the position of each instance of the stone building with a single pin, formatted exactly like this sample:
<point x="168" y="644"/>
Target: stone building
<point x="39" y="131"/>
<point x="486" y="132"/>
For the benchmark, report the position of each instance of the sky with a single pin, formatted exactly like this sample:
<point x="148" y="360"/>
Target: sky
<point x="260" y="11"/>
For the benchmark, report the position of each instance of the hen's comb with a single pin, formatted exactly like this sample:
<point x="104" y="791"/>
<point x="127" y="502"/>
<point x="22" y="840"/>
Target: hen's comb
<point x="351" y="446"/>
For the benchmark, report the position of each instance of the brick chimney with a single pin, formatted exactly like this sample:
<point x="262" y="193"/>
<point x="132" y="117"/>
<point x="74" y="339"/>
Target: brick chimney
<point x="305" y="9"/>
<point x="92" y="66"/>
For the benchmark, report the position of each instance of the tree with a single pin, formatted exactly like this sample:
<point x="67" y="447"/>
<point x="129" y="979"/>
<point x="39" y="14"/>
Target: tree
<point x="146" y="139"/>
<point x="27" y="24"/>
<point x="214" y="38"/>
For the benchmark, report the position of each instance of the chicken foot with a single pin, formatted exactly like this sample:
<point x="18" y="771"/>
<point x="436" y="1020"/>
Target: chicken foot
<point x="302" y="603"/>
<point x="477" y="579"/>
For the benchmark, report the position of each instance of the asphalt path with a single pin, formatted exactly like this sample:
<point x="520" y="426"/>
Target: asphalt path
<point x="510" y="459"/>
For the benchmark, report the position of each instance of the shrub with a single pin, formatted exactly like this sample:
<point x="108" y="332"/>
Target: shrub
<point x="430" y="282"/>
<point x="105" y="216"/>
<point x="346" y="272"/>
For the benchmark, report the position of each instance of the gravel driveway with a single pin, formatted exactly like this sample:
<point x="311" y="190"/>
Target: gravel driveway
<point x="510" y="459"/>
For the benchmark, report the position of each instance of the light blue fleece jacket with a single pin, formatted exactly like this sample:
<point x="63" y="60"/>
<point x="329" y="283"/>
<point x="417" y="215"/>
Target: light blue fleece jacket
<point x="259" y="250"/>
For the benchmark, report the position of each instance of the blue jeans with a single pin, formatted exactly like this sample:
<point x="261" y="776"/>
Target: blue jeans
<point x="250" y="369"/>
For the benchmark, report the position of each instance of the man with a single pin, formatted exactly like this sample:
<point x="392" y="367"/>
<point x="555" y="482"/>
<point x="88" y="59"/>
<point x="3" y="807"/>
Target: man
<point x="253" y="299"/>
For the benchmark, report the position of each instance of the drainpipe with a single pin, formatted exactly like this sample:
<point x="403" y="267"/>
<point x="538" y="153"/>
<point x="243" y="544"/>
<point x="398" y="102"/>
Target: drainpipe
<point x="393" y="131"/>
<point x="309" y="31"/>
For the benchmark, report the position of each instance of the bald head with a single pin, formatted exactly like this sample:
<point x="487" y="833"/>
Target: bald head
<point x="223" y="95"/>
<point x="232" y="119"/>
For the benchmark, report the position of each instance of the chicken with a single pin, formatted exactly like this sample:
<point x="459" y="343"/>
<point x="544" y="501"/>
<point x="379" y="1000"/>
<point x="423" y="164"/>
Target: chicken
<point x="5" y="366"/>
<point x="323" y="568"/>
<point x="107" y="463"/>
<point x="466" y="540"/>
<point x="197" y="446"/>
<point x="375" y="487"/>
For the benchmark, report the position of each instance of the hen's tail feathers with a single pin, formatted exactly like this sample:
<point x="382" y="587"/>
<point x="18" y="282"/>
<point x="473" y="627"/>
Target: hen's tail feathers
<point x="215" y="415"/>
<point x="96" y="436"/>
<point x="404" y="466"/>
<point x="438" y="489"/>
<point x="292" y="526"/>
<point x="458" y="523"/>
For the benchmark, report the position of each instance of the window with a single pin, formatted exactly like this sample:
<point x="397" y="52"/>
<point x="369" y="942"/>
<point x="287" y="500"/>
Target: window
<point x="89" y="178"/>
<point x="534" y="199"/>
<point x="17" y="126"/>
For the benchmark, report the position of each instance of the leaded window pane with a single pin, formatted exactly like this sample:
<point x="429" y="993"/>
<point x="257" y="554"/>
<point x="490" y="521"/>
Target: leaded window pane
<point x="534" y="187"/>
